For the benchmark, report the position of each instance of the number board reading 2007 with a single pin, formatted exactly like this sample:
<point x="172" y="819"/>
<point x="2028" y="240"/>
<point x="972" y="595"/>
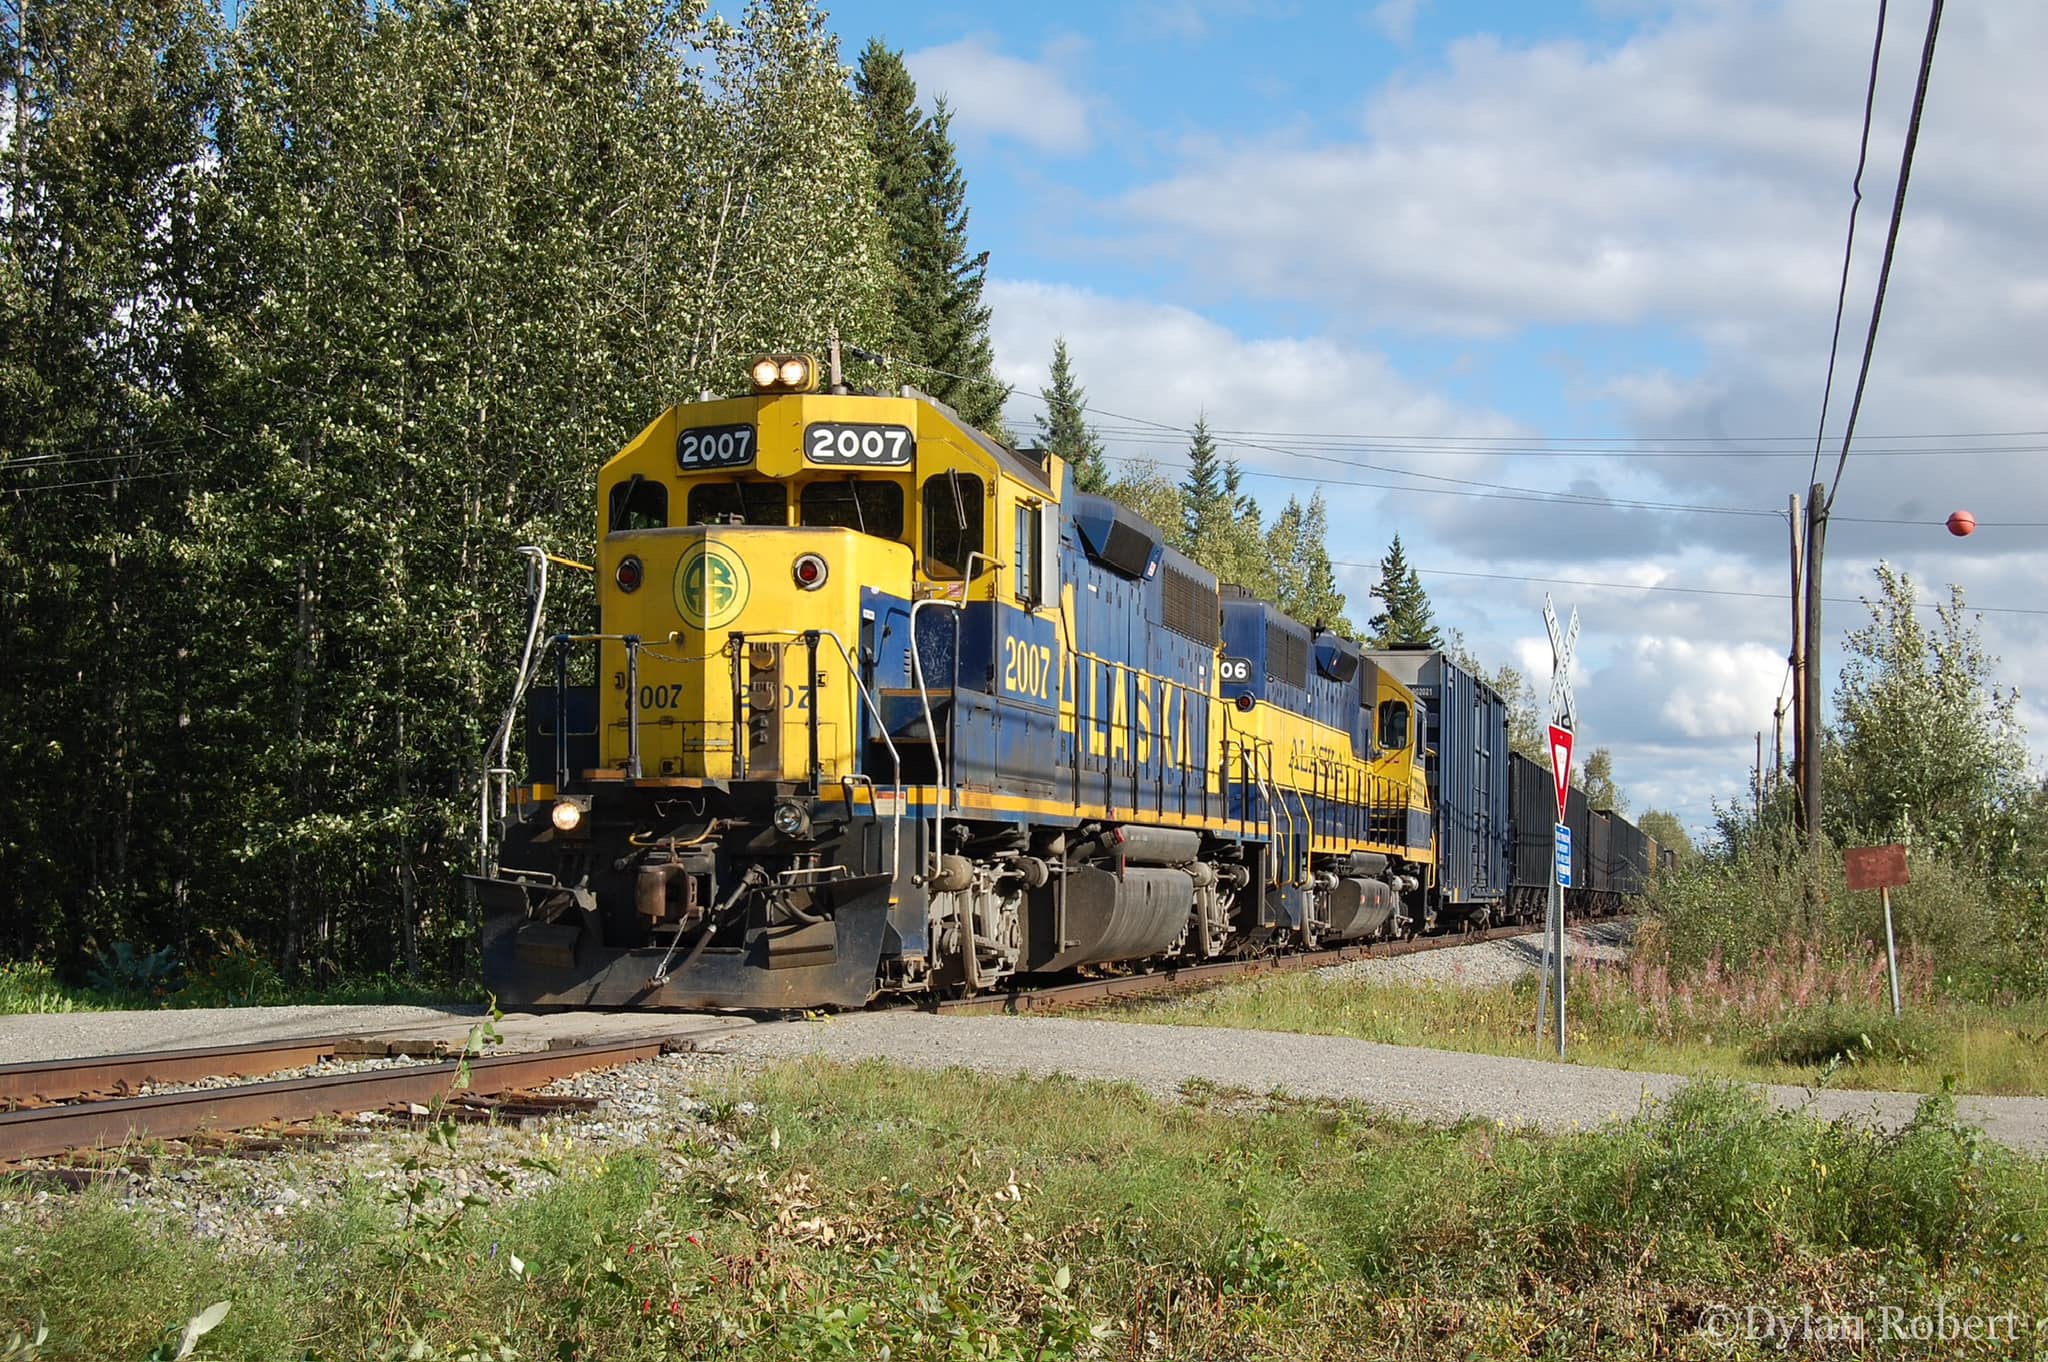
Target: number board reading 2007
<point x="715" y="447"/>
<point x="857" y="444"/>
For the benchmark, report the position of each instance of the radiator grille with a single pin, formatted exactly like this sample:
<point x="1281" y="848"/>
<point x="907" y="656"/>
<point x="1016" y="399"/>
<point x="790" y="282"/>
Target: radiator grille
<point x="1192" y="610"/>
<point x="1286" y="654"/>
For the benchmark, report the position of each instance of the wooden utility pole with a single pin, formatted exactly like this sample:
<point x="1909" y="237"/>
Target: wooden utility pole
<point x="1757" y="791"/>
<point x="1809" y="721"/>
<point x="1778" y="744"/>
<point x="1798" y="658"/>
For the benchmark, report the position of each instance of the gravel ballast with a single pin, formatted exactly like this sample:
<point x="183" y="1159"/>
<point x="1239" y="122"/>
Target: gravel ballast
<point x="1487" y="963"/>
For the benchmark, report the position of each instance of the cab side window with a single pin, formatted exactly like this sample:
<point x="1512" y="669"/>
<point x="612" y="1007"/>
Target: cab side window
<point x="639" y="504"/>
<point x="1393" y="725"/>
<point x="1029" y="581"/>
<point x="952" y="523"/>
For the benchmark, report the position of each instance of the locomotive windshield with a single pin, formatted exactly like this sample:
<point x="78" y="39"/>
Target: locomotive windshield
<point x="871" y="507"/>
<point x="638" y="503"/>
<point x="739" y="502"/>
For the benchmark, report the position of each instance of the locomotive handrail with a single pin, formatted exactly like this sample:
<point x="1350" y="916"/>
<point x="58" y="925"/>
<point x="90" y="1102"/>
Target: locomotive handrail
<point x="931" y="728"/>
<point x="1300" y="858"/>
<point x="1264" y="751"/>
<point x="538" y="559"/>
<point x="881" y="728"/>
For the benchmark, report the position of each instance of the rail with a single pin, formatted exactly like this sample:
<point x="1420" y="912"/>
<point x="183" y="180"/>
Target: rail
<point x="37" y="1132"/>
<point x="1190" y="977"/>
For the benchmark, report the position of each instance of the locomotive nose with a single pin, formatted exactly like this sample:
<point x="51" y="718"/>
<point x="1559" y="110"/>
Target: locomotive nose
<point x="745" y="663"/>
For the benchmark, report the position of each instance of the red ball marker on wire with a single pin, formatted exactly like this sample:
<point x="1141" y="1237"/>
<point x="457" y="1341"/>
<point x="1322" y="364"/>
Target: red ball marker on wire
<point x="1962" y="524"/>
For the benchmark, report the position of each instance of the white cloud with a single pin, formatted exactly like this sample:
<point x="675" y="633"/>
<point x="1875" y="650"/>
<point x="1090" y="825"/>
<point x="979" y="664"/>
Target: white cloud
<point x="1687" y="185"/>
<point x="1396" y="19"/>
<point x="993" y="94"/>
<point x="1156" y="363"/>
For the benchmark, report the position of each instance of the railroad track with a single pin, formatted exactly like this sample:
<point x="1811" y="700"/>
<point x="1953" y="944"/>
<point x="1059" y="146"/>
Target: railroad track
<point x="53" y="1107"/>
<point x="39" y="1131"/>
<point x="1190" y="977"/>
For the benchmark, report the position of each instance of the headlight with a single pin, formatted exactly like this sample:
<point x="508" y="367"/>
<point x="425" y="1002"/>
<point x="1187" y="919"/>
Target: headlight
<point x="810" y="571"/>
<point x="567" y="815"/>
<point x="791" y="820"/>
<point x="784" y="374"/>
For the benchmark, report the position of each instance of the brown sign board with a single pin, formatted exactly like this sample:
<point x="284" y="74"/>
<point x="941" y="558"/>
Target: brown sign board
<point x="1875" y="867"/>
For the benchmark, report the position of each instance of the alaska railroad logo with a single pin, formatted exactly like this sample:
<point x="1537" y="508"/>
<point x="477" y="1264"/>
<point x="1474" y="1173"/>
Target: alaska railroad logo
<point x="711" y="586"/>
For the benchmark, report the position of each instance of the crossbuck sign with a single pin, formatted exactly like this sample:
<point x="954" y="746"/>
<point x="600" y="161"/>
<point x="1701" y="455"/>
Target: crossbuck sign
<point x="1564" y="721"/>
<point x="1562" y="645"/>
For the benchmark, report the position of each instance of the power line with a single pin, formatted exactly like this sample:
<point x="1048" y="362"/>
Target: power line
<point x="1683" y="590"/>
<point x="1491" y="490"/>
<point x="1459" y="445"/>
<point x="1497" y="492"/>
<point x="1481" y="491"/>
<point x="96" y="482"/>
<point x="1849" y="245"/>
<point x="1891" y="242"/>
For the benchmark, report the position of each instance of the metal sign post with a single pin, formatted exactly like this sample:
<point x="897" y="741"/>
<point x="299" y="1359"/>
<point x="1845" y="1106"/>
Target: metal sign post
<point x="1879" y="868"/>
<point x="1563" y="722"/>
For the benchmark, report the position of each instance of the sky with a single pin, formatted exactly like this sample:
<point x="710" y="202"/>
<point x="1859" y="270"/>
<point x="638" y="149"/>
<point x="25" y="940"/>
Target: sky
<point x="1446" y="260"/>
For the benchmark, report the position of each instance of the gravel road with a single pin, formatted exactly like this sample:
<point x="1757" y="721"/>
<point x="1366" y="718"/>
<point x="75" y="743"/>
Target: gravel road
<point x="1439" y="1085"/>
<point x="73" y="1035"/>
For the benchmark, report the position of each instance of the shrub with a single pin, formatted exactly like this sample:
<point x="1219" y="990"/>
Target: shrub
<point x="1765" y="900"/>
<point x="125" y="970"/>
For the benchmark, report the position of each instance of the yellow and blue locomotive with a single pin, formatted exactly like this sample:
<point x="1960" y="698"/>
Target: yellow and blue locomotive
<point x="875" y="705"/>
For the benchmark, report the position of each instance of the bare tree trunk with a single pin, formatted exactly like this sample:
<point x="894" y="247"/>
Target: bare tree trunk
<point x="408" y="883"/>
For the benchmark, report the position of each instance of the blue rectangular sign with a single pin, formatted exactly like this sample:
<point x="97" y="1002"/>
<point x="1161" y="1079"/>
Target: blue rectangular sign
<point x="1563" y="833"/>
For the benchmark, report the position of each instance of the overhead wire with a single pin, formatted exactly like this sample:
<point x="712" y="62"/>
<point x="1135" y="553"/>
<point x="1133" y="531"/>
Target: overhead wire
<point x="1891" y="242"/>
<point x="1849" y="245"/>
<point x="1562" y="498"/>
<point x="1153" y="430"/>
<point x="1775" y="596"/>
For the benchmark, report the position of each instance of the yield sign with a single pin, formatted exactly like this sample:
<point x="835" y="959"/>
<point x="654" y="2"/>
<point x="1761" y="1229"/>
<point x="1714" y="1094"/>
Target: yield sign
<point x="1561" y="765"/>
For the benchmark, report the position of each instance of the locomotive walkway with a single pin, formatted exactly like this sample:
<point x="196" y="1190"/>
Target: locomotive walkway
<point x="1437" y="1085"/>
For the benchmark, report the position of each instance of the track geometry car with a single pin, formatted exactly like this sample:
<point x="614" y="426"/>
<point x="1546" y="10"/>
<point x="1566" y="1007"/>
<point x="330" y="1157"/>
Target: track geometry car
<point x="877" y="705"/>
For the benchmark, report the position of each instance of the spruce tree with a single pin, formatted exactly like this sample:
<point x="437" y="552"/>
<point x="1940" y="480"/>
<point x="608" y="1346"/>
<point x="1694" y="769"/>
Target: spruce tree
<point x="1205" y="506"/>
<point x="1306" y="585"/>
<point x="1405" y="616"/>
<point x="1242" y="558"/>
<point x="1064" y="427"/>
<point x="938" y="320"/>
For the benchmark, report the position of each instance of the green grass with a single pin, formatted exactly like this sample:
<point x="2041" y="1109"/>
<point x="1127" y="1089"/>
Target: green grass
<point x="858" y="1212"/>
<point x="1770" y="1025"/>
<point x="33" y="987"/>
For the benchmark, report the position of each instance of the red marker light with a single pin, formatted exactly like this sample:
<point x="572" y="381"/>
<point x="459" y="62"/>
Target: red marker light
<point x="809" y="571"/>
<point x="629" y="573"/>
